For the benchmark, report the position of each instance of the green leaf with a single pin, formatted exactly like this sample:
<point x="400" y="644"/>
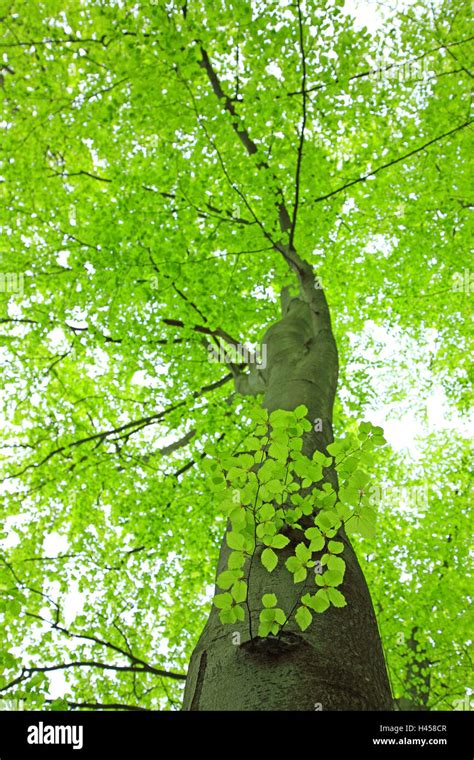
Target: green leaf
<point x="364" y="523"/>
<point x="335" y="597"/>
<point x="269" y="559"/>
<point x="235" y="561"/>
<point x="280" y="616"/>
<point x="317" y="539"/>
<point x="359" y="479"/>
<point x="301" y="411"/>
<point x="278" y="450"/>
<point x="337" y="564"/>
<point x="239" y="591"/>
<point x="327" y="519"/>
<point x="303" y="618"/>
<point x="235" y="540"/>
<point x="280" y="418"/>
<point x="258" y="414"/>
<point x="222" y="601"/>
<point x="268" y="615"/>
<point x="330" y="578"/>
<point x="265" y="628"/>
<point x="228" y="615"/>
<point x="293" y="564"/>
<point x="269" y="600"/>
<point x="335" y="448"/>
<point x="246" y="461"/>
<point x="312" y="533"/>
<point x="279" y="541"/>
<point x="266" y="512"/>
<point x="275" y="486"/>
<point x="300" y="575"/>
<point x="252" y="443"/>
<point x="317" y="544"/>
<point x="302" y="552"/>
<point x="266" y="531"/>
<point x="343" y="511"/>
<point x="59" y="704"/>
<point x="226" y="579"/>
<point x="319" y="602"/>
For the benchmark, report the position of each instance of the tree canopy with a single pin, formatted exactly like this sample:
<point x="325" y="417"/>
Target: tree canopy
<point x="143" y="147"/>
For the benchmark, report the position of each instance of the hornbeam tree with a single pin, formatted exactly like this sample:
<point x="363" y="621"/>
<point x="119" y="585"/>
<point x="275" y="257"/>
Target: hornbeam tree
<point x="233" y="240"/>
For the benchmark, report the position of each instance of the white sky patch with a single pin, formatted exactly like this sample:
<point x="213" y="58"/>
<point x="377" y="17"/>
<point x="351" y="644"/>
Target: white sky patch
<point x="406" y="422"/>
<point x="54" y="544"/>
<point x="73" y="603"/>
<point x="100" y="365"/>
<point x="369" y="13"/>
<point x="57" y="338"/>
<point x="274" y="70"/>
<point x="142" y="378"/>
<point x="62" y="259"/>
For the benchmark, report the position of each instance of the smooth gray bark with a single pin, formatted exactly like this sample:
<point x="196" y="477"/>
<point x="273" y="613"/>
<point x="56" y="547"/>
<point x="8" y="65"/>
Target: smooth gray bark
<point x="338" y="662"/>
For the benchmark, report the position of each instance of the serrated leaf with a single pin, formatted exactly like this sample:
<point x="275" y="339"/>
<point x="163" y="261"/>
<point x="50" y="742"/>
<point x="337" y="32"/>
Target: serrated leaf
<point x="222" y="601"/>
<point x="293" y="564"/>
<point x="301" y="411"/>
<point x="320" y="601"/>
<point x="269" y="559"/>
<point x="269" y="600"/>
<point x="236" y="560"/>
<point x="336" y="598"/>
<point x="227" y="578"/>
<point x="335" y="547"/>
<point x="302" y="552"/>
<point x="235" y="540"/>
<point x="268" y="614"/>
<point x="300" y="575"/>
<point x="279" y="541"/>
<point x="280" y="616"/>
<point x="227" y="615"/>
<point x="239" y="591"/>
<point x="303" y="617"/>
<point x="266" y="512"/>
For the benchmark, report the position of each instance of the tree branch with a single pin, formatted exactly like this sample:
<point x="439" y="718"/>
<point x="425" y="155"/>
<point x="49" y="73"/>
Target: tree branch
<point x="391" y="163"/>
<point x="29" y="672"/>
<point x="303" y="127"/>
<point x="145" y="666"/>
<point x="243" y="134"/>
<point x="218" y="332"/>
<point x="371" y="72"/>
<point x="99" y="706"/>
<point x="133" y="426"/>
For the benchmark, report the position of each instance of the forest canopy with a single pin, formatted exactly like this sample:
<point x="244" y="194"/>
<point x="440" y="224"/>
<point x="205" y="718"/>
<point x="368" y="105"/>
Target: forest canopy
<point x="143" y="147"/>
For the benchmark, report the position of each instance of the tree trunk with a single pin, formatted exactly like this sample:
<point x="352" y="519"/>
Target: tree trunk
<point x="337" y="663"/>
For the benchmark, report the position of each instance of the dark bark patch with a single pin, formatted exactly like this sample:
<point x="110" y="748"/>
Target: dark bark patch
<point x="200" y="681"/>
<point x="273" y="646"/>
